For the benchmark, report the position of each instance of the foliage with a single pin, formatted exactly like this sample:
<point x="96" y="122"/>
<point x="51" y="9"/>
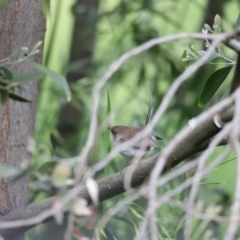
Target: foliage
<point x="216" y="79"/>
<point x="11" y="80"/>
<point x="61" y="128"/>
<point x="125" y="101"/>
<point x="212" y="84"/>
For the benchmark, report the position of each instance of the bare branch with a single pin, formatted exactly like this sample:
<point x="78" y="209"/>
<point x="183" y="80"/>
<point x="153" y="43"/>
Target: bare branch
<point x="113" y="68"/>
<point x="233" y="44"/>
<point x="187" y="144"/>
<point x="184" y="145"/>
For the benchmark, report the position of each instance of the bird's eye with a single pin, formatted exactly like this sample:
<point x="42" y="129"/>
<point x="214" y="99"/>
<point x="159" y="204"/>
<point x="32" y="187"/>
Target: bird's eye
<point x="121" y="139"/>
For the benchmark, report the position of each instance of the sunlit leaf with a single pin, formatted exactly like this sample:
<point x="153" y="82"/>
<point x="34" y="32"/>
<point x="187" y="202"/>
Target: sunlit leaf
<point x="210" y="183"/>
<point x="227" y="161"/>
<point x="55" y="76"/>
<point x="7" y="171"/>
<point x="135" y="213"/>
<point x="212" y="84"/>
<point x="103" y="233"/>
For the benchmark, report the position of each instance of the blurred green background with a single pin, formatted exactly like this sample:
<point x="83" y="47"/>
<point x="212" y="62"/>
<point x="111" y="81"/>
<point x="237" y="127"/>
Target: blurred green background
<point x="83" y="38"/>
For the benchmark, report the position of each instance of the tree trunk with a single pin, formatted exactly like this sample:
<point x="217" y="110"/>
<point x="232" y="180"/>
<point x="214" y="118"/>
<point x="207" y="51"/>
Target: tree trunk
<point x="22" y="24"/>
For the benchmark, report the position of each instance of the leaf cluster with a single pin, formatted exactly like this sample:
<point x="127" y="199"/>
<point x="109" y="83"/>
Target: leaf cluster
<point x="11" y="81"/>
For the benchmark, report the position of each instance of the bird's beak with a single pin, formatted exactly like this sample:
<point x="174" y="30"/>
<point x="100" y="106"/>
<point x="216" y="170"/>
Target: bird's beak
<point x="110" y="129"/>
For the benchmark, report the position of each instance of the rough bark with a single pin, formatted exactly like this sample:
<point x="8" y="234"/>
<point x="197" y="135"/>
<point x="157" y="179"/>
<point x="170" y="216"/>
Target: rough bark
<point x="22" y="24"/>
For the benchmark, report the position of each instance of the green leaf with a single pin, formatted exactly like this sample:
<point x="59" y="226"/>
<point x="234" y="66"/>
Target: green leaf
<point x="237" y="22"/>
<point x="44" y="168"/>
<point x="142" y="74"/>
<point x="3" y="96"/>
<point x="8" y="74"/>
<point x="212" y="84"/>
<point x="6" y="171"/>
<point x="21" y="173"/>
<point x="237" y="25"/>
<point x="135" y="213"/>
<point x="23" y="89"/>
<point x="28" y="77"/>
<point x="150" y="107"/>
<point x="18" y="98"/>
<point x="55" y="76"/>
<point x="2" y="2"/>
<point x="227" y="161"/>
<point x="190" y="50"/>
<point x="108" y="104"/>
<point x="45" y="6"/>
<point x="105" y="136"/>
<point x="184" y="56"/>
<point x="217" y="20"/>
<point x="186" y="62"/>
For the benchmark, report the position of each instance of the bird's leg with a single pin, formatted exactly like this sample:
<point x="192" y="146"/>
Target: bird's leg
<point x="138" y="159"/>
<point x="135" y="162"/>
<point x="129" y="170"/>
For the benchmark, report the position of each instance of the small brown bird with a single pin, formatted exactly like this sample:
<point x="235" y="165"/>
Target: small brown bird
<point x="121" y="134"/>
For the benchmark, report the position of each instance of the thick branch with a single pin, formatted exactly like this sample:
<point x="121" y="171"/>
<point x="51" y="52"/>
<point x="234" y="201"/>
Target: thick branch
<point x="113" y="185"/>
<point x="233" y="44"/>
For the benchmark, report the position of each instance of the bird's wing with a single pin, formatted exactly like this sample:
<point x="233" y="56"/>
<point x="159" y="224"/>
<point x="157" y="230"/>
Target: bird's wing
<point x="145" y="143"/>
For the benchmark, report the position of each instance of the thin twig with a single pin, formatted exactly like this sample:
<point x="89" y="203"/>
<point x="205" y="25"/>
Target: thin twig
<point x="161" y="162"/>
<point x="112" y="69"/>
